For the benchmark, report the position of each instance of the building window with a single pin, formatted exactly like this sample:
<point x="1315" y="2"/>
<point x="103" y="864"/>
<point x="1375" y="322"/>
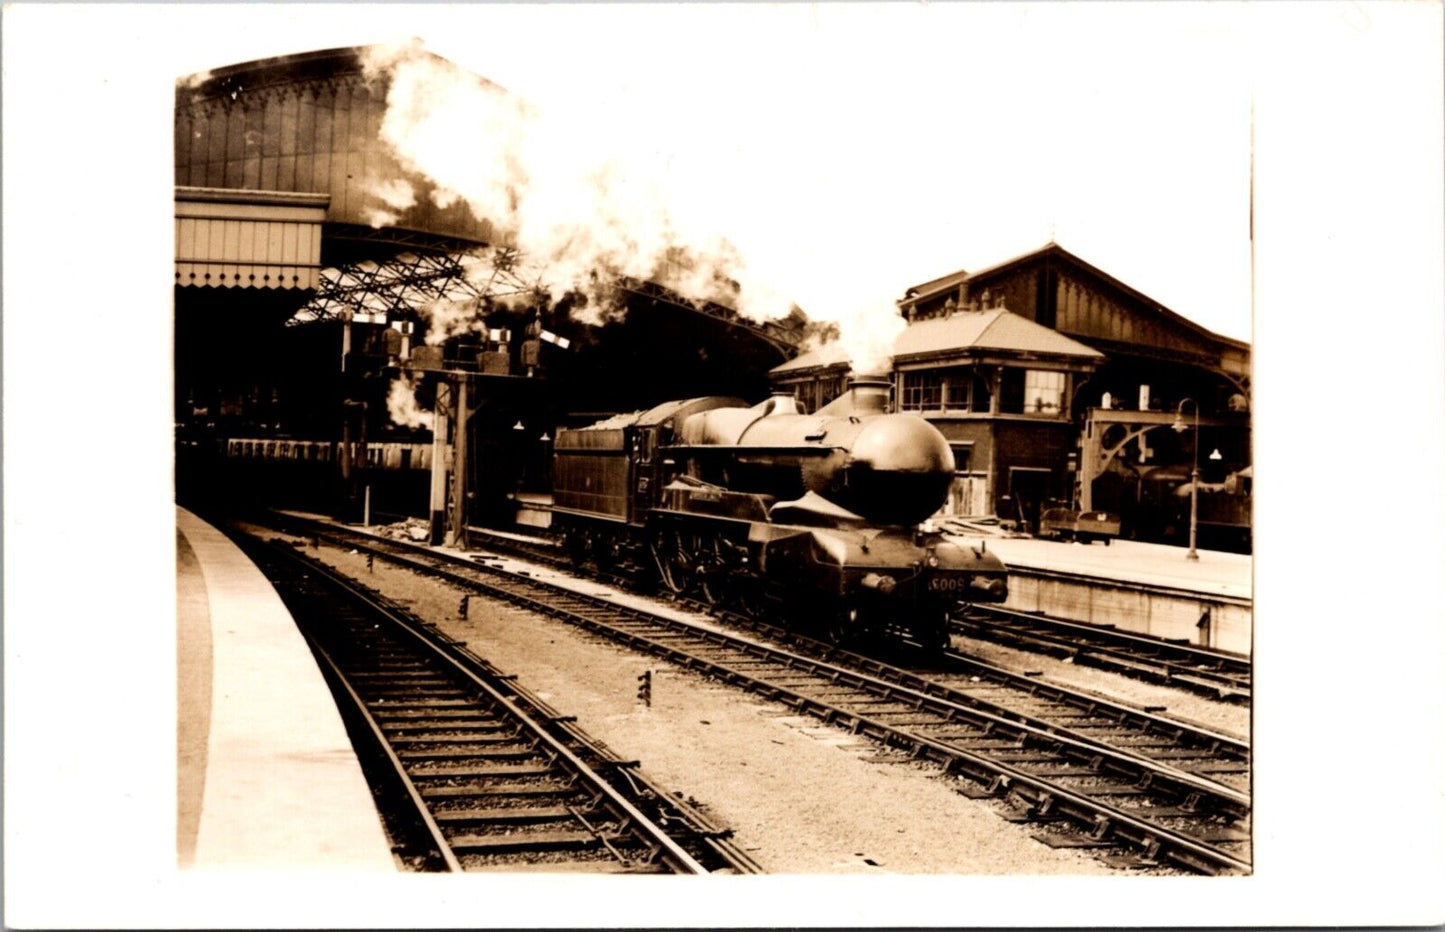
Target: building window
<point x="1043" y="392"/>
<point x="962" y="457"/>
<point x="958" y="390"/>
<point x="922" y="391"/>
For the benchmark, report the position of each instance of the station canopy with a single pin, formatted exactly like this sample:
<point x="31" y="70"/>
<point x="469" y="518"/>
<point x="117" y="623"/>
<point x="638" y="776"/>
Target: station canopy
<point x="373" y="290"/>
<point x="248" y="239"/>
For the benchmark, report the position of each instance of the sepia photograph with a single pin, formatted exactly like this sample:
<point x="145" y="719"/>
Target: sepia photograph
<point x="811" y="446"/>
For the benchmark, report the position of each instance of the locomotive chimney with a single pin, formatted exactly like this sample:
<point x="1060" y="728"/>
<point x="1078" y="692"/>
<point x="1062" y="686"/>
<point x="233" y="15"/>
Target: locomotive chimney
<point x="866" y="394"/>
<point x="870" y="393"/>
<point x="779" y="402"/>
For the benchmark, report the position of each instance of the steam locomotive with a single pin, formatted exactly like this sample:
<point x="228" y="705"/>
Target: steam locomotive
<point x="820" y="519"/>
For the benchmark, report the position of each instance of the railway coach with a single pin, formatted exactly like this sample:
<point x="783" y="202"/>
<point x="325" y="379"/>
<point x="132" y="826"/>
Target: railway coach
<point x="303" y="472"/>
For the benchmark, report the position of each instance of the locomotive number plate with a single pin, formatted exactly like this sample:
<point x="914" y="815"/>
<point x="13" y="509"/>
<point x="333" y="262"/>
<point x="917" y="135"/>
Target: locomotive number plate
<point x="947" y="583"/>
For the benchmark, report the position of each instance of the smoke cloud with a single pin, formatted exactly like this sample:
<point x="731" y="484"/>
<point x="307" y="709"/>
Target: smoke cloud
<point x="397" y="194"/>
<point x="584" y="208"/>
<point x="447" y="318"/>
<point x="402" y="407"/>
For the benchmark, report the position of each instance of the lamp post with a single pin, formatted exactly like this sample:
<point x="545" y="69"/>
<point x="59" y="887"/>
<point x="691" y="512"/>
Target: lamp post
<point x="1180" y="427"/>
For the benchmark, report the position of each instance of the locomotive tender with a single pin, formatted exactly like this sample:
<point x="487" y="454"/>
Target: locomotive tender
<point x="821" y="517"/>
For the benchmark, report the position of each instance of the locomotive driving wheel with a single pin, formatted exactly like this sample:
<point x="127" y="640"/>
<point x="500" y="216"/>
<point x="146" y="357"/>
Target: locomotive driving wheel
<point x="710" y="569"/>
<point x="674" y="562"/>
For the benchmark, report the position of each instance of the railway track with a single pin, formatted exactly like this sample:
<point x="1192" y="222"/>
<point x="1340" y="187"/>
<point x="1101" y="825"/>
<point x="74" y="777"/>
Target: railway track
<point x="1017" y="696"/>
<point x="1213" y="672"/>
<point x="1218" y="674"/>
<point x="1080" y="716"/>
<point x="1140" y="793"/>
<point x="479" y="773"/>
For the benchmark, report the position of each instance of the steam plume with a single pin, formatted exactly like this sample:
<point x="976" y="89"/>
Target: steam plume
<point x="582" y="211"/>
<point x="402" y="407"/>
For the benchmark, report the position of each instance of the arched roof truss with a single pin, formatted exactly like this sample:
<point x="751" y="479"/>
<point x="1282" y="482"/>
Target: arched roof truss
<point x="406" y="285"/>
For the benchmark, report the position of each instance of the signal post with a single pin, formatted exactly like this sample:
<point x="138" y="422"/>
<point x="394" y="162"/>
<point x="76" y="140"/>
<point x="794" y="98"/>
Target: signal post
<point x="462" y="379"/>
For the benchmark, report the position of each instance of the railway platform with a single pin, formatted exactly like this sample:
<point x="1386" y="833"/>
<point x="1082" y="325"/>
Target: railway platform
<point x="266" y="775"/>
<point x="1138" y="587"/>
<point x="1160" y="565"/>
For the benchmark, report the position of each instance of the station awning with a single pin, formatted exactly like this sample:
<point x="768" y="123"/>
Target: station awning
<point x="237" y="238"/>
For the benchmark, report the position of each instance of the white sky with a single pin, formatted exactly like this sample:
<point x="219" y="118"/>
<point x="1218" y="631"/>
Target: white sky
<point x="909" y="140"/>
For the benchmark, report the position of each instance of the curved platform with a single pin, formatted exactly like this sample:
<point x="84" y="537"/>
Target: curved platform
<point x="266" y="775"/>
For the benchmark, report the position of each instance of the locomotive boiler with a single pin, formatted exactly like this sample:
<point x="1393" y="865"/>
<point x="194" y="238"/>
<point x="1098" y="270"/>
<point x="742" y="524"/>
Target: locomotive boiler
<point x="817" y="518"/>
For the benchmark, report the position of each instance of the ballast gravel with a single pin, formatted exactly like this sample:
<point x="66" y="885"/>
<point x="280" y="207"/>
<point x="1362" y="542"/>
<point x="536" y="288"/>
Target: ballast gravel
<point x="802" y="797"/>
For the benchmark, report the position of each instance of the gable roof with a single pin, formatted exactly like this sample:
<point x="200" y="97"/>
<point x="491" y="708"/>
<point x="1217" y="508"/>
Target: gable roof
<point x="996" y="329"/>
<point x="928" y="289"/>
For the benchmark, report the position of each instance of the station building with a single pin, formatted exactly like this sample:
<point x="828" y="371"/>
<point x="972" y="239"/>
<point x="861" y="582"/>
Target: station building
<point x="1057" y="384"/>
